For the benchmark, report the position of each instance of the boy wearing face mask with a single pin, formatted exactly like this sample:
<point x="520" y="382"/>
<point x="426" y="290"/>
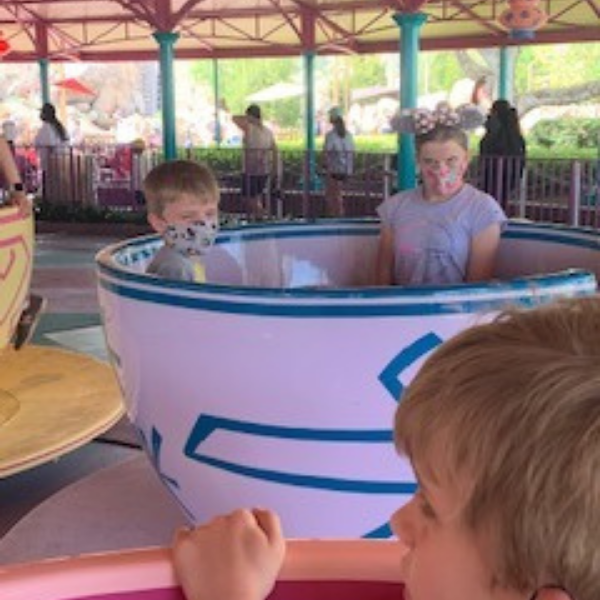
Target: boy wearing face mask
<point x="183" y="207"/>
<point x="445" y="231"/>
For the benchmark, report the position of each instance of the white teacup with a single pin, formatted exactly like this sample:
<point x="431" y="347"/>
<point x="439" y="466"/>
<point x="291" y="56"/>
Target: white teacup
<point x="275" y="384"/>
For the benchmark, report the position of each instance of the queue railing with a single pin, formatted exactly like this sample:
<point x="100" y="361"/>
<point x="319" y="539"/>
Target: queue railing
<point x="109" y="177"/>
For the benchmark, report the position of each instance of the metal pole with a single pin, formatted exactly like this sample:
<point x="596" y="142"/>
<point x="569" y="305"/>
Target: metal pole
<point x="410" y="25"/>
<point x="44" y="64"/>
<point x="309" y="120"/>
<point x="218" y="136"/>
<point x="575" y="194"/>
<point x="505" y="83"/>
<point x="166" y="41"/>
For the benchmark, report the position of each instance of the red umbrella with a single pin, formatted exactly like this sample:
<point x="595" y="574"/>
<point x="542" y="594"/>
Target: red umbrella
<point x="74" y="85"/>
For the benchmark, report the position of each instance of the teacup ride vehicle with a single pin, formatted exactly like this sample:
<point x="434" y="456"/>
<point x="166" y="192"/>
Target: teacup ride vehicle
<point x="51" y="401"/>
<point x="274" y="384"/>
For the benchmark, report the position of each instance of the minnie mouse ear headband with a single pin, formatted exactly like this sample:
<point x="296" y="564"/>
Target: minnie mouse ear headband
<point x="421" y="120"/>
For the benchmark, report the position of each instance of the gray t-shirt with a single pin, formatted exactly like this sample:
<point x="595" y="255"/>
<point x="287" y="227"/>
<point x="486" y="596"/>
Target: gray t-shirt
<point x="432" y="239"/>
<point x="170" y="264"/>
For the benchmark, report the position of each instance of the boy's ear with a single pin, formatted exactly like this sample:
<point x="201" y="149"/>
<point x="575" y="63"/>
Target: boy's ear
<point x="552" y="593"/>
<point x="156" y="223"/>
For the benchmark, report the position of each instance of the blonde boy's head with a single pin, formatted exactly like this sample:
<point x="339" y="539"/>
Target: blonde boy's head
<point x="511" y="410"/>
<point x="170" y="181"/>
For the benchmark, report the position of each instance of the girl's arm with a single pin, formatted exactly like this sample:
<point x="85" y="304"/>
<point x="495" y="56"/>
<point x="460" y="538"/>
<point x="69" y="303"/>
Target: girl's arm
<point x="384" y="270"/>
<point x="482" y="254"/>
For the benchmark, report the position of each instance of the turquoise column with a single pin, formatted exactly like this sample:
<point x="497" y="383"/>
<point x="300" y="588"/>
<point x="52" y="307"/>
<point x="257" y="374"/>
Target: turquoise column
<point x="44" y="64"/>
<point x="217" y="102"/>
<point x="309" y="119"/>
<point x="505" y="87"/>
<point x="166" y="41"/>
<point x="410" y="24"/>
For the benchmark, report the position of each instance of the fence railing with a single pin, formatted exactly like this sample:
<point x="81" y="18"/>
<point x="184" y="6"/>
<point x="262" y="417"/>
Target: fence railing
<point x="110" y="177"/>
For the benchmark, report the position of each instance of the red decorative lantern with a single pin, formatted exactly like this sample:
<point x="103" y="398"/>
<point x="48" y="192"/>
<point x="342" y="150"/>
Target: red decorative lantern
<point x="522" y="18"/>
<point x="4" y="46"/>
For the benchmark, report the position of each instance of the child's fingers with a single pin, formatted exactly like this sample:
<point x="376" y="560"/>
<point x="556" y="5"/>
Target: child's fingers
<point x="270" y="523"/>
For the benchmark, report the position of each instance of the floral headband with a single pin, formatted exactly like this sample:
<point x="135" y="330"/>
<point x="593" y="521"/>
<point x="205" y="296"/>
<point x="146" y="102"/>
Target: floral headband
<point x="422" y="120"/>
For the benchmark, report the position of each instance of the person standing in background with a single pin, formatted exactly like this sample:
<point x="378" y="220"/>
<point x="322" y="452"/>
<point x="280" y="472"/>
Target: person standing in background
<point x="50" y="142"/>
<point x="338" y="159"/>
<point x="502" y="150"/>
<point x="261" y="159"/>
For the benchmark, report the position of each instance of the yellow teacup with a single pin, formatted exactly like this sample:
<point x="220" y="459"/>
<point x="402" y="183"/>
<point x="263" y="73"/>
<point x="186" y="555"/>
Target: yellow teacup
<point x="16" y="263"/>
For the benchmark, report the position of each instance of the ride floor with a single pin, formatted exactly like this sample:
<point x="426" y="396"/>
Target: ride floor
<point x="103" y="495"/>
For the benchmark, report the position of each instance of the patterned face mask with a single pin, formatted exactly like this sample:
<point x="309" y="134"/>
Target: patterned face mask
<point x="192" y="239"/>
<point x="445" y="180"/>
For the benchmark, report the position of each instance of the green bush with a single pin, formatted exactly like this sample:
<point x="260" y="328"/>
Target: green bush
<point x="566" y="132"/>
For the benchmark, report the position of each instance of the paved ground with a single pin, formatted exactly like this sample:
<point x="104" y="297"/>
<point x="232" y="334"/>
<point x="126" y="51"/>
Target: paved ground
<point x="64" y="273"/>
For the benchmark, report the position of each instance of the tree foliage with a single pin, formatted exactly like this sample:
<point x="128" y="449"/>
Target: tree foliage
<point x="543" y="75"/>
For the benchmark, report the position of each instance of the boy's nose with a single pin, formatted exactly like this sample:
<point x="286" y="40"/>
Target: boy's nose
<point x="404" y="525"/>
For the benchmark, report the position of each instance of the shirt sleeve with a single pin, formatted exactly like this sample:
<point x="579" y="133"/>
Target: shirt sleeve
<point x="486" y="212"/>
<point x="387" y="210"/>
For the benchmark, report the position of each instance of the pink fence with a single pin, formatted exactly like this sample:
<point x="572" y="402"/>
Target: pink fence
<point x="110" y="177"/>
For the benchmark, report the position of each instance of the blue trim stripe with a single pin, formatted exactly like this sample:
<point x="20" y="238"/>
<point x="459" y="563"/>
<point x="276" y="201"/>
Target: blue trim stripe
<point x="581" y="241"/>
<point x="206" y="425"/>
<point x="426" y="293"/>
<point x="383" y="532"/>
<point x="389" y="377"/>
<point x="287" y="309"/>
<point x="310" y="481"/>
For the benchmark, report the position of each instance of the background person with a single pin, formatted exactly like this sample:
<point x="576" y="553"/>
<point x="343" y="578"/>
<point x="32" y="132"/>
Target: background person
<point x="338" y="157"/>
<point x="444" y="231"/>
<point x="261" y="159"/>
<point x="182" y="198"/>
<point x="51" y="144"/>
<point x="502" y="141"/>
<point x="507" y="507"/>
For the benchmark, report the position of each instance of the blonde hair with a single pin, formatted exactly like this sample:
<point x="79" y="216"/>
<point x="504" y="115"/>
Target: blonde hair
<point x="167" y="182"/>
<point x="515" y="406"/>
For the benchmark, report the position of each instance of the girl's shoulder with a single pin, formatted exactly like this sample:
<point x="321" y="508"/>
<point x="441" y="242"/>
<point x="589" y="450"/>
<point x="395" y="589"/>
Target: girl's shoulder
<point x="402" y="199"/>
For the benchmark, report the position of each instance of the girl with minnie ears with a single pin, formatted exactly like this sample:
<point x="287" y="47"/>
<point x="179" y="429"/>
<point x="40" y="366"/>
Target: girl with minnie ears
<point x="445" y="231"/>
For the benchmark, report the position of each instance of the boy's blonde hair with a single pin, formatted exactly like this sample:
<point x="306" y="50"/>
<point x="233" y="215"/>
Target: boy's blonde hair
<point x="514" y="407"/>
<point x="167" y="182"/>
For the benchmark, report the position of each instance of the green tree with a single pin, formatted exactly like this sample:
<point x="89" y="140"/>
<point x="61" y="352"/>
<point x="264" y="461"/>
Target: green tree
<point x="239" y="79"/>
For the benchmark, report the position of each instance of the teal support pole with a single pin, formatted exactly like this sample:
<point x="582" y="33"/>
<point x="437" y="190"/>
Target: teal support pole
<point x="309" y="79"/>
<point x="410" y="25"/>
<point x="505" y="87"/>
<point x="217" y="92"/>
<point x="166" y="42"/>
<point x="44" y="64"/>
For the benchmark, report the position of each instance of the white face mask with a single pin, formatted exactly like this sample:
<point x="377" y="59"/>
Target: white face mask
<point x="191" y="239"/>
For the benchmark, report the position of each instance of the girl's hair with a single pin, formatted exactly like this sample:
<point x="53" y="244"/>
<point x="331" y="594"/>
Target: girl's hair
<point x="503" y="130"/>
<point x="48" y="115"/>
<point x="443" y="133"/>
